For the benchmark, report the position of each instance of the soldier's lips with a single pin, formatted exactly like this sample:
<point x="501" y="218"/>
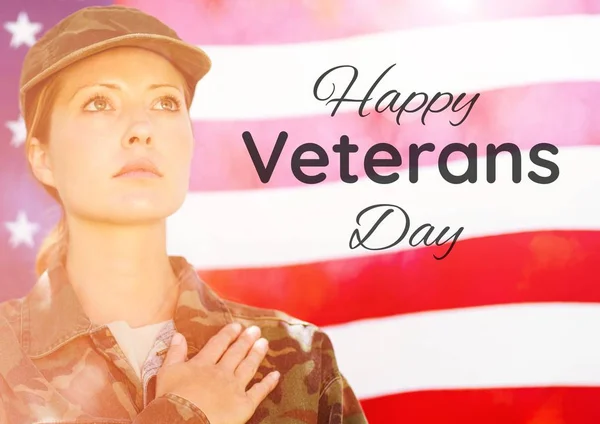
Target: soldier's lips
<point x="139" y="168"/>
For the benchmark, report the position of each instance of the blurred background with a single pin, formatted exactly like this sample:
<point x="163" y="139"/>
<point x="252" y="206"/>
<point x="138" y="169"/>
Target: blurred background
<point x="502" y="330"/>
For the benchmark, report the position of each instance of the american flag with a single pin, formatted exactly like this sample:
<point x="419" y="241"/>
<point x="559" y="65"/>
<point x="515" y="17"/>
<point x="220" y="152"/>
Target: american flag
<point x="502" y="330"/>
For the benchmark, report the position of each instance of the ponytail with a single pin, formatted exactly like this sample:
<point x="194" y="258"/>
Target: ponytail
<point x="53" y="247"/>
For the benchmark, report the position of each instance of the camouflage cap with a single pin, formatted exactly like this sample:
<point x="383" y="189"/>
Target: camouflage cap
<point x="94" y="29"/>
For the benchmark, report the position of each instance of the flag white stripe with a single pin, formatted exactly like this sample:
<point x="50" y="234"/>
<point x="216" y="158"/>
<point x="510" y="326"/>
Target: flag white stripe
<point x="258" y="81"/>
<point x="525" y="345"/>
<point x="270" y="227"/>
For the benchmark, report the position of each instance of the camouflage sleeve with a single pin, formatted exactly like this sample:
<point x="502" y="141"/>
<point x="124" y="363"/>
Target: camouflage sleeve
<point x="172" y="409"/>
<point x="338" y="403"/>
<point x="3" y="417"/>
<point x="13" y="409"/>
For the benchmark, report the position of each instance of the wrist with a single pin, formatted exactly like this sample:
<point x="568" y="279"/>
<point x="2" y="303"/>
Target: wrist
<point x="172" y="408"/>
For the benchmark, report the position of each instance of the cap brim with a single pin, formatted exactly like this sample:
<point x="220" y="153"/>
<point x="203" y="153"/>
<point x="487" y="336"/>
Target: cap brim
<point x="191" y="61"/>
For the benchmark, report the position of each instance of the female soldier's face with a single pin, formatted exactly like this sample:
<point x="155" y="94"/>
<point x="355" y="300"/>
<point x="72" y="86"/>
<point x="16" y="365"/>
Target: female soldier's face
<point x="123" y="106"/>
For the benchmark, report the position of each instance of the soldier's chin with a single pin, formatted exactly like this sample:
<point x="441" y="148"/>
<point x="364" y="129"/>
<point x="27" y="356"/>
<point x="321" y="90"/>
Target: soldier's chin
<point x="140" y="212"/>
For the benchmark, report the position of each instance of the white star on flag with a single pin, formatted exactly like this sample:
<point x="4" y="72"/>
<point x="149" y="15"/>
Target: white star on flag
<point x="21" y="230"/>
<point x="23" y="30"/>
<point x="19" y="132"/>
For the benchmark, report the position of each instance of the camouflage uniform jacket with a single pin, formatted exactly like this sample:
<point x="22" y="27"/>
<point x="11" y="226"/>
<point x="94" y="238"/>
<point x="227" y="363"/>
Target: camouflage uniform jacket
<point x="57" y="367"/>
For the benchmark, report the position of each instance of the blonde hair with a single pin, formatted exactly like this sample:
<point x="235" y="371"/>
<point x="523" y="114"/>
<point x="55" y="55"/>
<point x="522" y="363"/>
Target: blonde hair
<point x="37" y="112"/>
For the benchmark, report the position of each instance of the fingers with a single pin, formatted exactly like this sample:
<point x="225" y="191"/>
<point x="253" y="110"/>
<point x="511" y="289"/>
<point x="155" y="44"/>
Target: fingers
<point x="177" y="351"/>
<point x="219" y="343"/>
<point x="236" y="353"/>
<point x="249" y="365"/>
<point x="260" y="390"/>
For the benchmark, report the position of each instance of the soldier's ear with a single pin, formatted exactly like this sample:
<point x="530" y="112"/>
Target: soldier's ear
<point x="39" y="159"/>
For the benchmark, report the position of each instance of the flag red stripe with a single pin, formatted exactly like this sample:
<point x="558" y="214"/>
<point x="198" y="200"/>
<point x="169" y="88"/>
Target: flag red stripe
<point x="560" y="114"/>
<point x="511" y="268"/>
<point x="549" y="405"/>
<point x="291" y="21"/>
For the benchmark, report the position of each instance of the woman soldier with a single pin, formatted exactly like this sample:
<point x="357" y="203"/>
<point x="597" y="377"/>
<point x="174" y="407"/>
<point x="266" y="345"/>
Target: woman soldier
<point x="115" y="330"/>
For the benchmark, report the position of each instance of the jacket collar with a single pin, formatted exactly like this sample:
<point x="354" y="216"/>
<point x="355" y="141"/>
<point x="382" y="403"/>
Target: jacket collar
<point x="53" y="315"/>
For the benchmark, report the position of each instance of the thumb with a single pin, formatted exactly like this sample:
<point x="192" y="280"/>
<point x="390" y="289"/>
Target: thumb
<point x="177" y="351"/>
